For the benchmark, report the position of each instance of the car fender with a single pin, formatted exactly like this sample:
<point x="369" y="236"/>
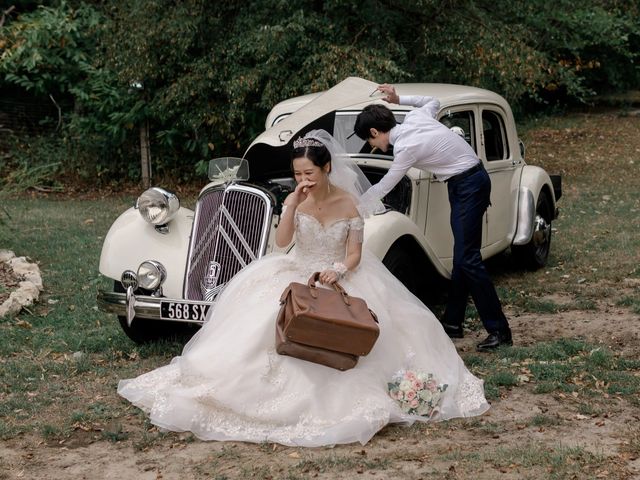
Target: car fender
<point x="382" y="231"/>
<point x="533" y="181"/>
<point x="131" y="240"/>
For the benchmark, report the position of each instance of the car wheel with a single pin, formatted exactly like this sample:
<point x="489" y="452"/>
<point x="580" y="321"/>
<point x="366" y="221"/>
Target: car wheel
<point x="534" y="254"/>
<point x="143" y="330"/>
<point x="404" y="267"/>
<point x="400" y="263"/>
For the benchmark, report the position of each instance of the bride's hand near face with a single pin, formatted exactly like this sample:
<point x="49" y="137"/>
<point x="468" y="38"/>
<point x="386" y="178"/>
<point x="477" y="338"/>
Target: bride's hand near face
<point x="286" y="227"/>
<point x="300" y="194"/>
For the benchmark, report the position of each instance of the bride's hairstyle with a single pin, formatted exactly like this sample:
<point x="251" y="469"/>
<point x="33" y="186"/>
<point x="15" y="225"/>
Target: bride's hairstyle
<point x="314" y="151"/>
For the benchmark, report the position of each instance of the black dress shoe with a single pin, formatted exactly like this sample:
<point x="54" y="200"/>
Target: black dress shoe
<point x="494" y="340"/>
<point x="454" y="331"/>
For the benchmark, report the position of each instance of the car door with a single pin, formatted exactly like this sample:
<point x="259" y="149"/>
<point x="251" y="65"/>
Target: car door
<point x="461" y="119"/>
<point x="503" y="166"/>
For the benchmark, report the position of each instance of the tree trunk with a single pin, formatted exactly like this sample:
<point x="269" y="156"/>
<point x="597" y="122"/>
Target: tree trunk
<point x="145" y="155"/>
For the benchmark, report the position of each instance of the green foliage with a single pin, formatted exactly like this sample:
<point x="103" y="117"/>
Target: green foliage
<point x="24" y="168"/>
<point x="47" y="51"/>
<point x="210" y="75"/>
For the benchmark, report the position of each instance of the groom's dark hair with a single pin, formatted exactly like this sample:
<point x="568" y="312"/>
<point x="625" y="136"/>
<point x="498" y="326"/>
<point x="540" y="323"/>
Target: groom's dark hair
<point x="374" y="116"/>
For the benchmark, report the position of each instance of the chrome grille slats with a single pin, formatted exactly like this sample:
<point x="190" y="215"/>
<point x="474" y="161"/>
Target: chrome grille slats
<point x="231" y="229"/>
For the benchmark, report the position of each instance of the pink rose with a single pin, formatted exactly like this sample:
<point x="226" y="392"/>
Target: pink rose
<point x="411" y="376"/>
<point x="417" y="385"/>
<point x="414" y="403"/>
<point x="410" y="395"/>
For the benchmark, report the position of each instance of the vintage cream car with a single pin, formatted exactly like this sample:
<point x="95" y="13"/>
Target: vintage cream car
<point x="168" y="263"/>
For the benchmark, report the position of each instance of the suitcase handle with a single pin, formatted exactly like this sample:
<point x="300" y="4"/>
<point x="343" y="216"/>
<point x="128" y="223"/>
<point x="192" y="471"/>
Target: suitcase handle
<point x="315" y="277"/>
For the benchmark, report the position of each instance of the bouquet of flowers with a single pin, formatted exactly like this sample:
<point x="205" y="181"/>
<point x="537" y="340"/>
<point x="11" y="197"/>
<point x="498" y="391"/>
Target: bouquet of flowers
<point x="418" y="393"/>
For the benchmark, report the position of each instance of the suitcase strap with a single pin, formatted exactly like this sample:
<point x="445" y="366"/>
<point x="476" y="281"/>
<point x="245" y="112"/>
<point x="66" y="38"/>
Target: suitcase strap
<point x="315" y="277"/>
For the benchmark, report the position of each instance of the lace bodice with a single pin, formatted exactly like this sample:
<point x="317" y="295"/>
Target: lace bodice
<point x="318" y="245"/>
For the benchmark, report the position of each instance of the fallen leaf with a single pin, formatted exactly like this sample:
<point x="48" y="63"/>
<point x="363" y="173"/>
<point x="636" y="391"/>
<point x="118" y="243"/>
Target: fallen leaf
<point x="23" y="324"/>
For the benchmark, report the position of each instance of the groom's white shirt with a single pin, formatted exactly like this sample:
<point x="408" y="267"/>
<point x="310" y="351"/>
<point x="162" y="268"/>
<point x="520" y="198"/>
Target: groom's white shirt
<point x="421" y="141"/>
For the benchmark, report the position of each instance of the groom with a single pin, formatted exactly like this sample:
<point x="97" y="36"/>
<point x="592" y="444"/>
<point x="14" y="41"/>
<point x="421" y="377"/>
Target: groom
<point x="421" y="141"/>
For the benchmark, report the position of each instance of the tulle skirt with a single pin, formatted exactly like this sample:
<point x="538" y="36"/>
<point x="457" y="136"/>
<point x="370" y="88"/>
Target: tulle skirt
<point x="230" y="384"/>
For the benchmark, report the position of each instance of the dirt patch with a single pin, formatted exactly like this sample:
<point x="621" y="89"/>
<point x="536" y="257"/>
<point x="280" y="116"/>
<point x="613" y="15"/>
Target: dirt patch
<point x="486" y="447"/>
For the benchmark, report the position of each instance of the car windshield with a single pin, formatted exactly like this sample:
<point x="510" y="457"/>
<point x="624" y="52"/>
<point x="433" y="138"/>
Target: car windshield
<point x="343" y="132"/>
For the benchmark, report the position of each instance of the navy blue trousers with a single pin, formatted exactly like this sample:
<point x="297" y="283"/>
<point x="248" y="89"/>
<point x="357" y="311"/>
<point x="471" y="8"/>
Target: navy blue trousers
<point x="469" y="198"/>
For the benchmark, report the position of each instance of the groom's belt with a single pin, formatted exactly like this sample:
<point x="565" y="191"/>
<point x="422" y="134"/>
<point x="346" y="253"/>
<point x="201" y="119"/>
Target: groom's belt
<point x="470" y="171"/>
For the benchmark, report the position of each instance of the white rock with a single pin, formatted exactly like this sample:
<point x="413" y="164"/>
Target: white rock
<point x="6" y="255"/>
<point x="25" y="295"/>
<point x="28" y="290"/>
<point x="10" y="307"/>
<point x="29" y="271"/>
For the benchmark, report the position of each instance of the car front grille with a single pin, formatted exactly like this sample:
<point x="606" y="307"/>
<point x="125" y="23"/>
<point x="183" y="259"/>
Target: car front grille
<point x="230" y="230"/>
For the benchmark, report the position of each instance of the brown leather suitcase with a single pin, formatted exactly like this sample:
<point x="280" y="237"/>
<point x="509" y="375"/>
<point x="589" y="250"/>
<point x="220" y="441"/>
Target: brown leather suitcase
<point x="284" y="346"/>
<point x="328" y="319"/>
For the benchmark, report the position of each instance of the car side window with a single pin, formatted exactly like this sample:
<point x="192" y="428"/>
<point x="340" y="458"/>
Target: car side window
<point x="462" y="123"/>
<point x="496" y="146"/>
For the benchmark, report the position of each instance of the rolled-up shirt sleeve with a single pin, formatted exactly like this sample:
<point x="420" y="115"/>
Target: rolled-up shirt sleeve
<point x="427" y="105"/>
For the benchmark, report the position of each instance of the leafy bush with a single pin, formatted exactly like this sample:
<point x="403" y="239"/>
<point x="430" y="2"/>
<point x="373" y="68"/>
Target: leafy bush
<point x="204" y="78"/>
<point x="32" y="163"/>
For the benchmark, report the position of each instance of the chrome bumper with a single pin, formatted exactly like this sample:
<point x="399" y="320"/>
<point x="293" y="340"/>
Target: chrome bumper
<point x="144" y="306"/>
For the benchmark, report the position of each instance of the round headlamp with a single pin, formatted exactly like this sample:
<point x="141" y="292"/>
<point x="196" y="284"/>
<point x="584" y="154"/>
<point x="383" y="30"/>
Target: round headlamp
<point x="151" y="275"/>
<point x="157" y="205"/>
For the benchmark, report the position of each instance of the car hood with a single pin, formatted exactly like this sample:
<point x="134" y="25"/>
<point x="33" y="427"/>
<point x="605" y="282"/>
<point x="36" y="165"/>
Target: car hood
<point x="350" y="92"/>
<point x="269" y="155"/>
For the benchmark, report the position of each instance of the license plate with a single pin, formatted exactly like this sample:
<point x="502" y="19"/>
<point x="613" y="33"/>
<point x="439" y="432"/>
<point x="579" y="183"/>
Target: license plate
<point x="184" y="311"/>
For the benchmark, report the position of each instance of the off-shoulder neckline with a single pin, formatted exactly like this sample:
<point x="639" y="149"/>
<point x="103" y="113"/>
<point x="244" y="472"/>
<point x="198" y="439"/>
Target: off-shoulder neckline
<point x="328" y="224"/>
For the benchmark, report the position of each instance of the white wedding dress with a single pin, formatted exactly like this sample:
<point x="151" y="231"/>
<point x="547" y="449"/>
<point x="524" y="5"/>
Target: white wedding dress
<point x="230" y="384"/>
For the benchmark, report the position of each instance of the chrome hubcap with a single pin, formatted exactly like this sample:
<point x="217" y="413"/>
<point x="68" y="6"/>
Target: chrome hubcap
<point x="541" y="232"/>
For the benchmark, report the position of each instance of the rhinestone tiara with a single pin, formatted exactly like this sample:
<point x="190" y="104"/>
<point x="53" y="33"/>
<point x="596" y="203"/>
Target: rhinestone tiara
<point x="304" y="142"/>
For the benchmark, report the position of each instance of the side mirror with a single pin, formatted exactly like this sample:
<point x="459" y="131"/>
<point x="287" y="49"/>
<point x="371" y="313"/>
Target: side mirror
<point x="228" y="169"/>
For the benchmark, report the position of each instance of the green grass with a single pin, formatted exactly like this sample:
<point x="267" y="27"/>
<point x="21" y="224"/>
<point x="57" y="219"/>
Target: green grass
<point x="47" y="393"/>
<point x="38" y="371"/>
<point x="558" y="461"/>
<point x="529" y="460"/>
<point x="595" y="246"/>
<point x="562" y="366"/>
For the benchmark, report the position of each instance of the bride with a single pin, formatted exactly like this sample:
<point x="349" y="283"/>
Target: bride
<point x="230" y="384"/>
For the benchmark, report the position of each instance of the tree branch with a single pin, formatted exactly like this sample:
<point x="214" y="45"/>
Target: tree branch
<point x="5" y="13"/>
<point x="59" y="111"/>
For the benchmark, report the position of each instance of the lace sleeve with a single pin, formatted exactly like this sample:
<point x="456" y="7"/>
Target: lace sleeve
<point x="356" y="230"/>
<point x="295" y="217"/>
<point x="295" y="223"/>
